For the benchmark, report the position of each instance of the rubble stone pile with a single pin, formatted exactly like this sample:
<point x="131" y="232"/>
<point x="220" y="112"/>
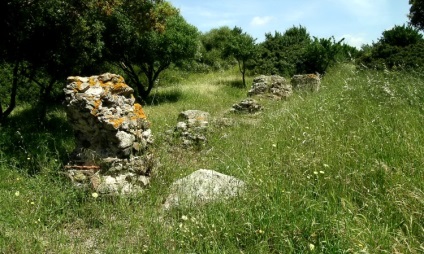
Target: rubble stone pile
<point x="248" y="105"/>
<point x="191" y="127"/>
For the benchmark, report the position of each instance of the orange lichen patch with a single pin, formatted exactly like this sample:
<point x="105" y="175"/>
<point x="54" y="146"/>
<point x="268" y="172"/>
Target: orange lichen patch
<point x="121" y="79"/>
<point x="92" y="81"/>
<point x="138" y="111"/>
<point x="312" y="76"/>
<point x="106" y="85"/>
<point x="97" y="104"/>
<point x="78" y="85"/>
<point x="116" y="122"/>
<point x="121" y="88"/>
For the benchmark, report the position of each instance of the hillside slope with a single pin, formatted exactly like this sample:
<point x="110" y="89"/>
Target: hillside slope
<point x="337" y="171"/>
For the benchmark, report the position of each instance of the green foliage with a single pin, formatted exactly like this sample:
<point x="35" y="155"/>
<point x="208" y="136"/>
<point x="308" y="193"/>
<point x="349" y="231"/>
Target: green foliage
<point x="294" y="52"/>
<point x="401" y="36"/>
<point x="213" y="46"/>
<point x="243" y="48"/>
<point x="322" y="53"/>
<point x="48" y="41"/>
<point x="416" y="13"/>
<point x="146" y="50"/>
<point x="400" y="46"/>
<point x="282" y="53"/>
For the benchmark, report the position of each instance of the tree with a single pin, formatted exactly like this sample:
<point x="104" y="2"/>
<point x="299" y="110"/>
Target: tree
<point x="12" y="23"/>
<point x="213" y="46"/>
<point x="146" y="48"/>
<point x="416" y="13"/>
<point x="400" y="45"/>
<point x="281" y="53"/>
<point x="243" y="48"/>
<point x="321" y="53"/>
<point x="47" y="41"/>
<point x="401" y="36"/>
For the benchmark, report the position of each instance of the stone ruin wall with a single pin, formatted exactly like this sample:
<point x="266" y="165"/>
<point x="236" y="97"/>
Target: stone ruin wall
<point x="306" y="82"/>
<point x="112" y="135"/>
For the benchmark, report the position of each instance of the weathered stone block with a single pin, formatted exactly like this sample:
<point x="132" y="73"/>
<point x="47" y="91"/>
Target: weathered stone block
<point x="307" y="82"/>
<point x="112" y="134"/>
<point x="201" y="187"/>
<point x="272" y="86"/>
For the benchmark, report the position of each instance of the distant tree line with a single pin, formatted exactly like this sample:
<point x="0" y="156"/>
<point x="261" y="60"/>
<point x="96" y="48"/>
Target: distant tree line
<point x="286" y="54"/>
<point x="43" y="42"/>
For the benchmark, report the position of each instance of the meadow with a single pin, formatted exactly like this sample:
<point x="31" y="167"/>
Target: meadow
<point x="336" y="171"/>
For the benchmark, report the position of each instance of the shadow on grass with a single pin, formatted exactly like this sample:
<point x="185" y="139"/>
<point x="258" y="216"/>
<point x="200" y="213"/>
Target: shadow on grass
<point x="236" y="83"/>
<point x="167" y="96"/>
<point x="32" y="145"/>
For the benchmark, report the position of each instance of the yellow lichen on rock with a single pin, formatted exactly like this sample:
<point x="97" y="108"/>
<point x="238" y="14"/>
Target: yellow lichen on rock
<point x="78" y="85"/>
<point x="97" y="104"/>
<point x="92" y="81"/>
<point x="138" y="111"/>
<point x="312" y="76"/>
<point x="121" y="88"/>
<point x="116" y="122"/>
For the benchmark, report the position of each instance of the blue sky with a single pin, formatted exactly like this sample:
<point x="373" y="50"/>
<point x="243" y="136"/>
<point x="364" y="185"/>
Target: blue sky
<point x="358" y="21"/>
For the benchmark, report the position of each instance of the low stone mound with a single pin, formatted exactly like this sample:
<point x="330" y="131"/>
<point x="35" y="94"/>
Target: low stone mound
<point x="307" y="82"/>
<point x="201" y="187"/>
<point x="112" y="135"/>
<point x="248" y="105"/>
<point x="191" y="127"/>
<point x="273" y="86"/>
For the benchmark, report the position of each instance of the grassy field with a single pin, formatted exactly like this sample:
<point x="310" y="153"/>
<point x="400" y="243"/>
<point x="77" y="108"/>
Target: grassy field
<point x="338" y="171"/>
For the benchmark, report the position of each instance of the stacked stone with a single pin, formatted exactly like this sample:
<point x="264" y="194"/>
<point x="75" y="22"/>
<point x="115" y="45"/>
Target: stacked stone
<point x="191" y="127"/>
<point x="307" y="82"/>
<point x="274" y="86"/>
<point x="246" y="106"/>
<point x="112" y="135"/>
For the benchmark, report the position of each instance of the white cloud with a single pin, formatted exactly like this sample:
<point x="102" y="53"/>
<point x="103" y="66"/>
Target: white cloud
<point x="261" y="21"/>
<point x="354" y="40"/>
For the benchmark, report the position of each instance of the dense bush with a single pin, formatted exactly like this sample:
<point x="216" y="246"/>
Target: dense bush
<point x="295" y="52"/>
<point x="322" y="53"/>
<point x="401" y="46"/>
<point x="212" y="49"/>
<point x="282" y="53"/>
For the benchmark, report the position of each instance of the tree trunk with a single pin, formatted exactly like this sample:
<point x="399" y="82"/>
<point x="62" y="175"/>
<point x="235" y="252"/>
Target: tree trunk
<point x="133" y="77"/>
<point x="44" y="100"/>
<point x="152" y="75"/>
<point x="13" y="92"/>
<point x="243" y="73"/>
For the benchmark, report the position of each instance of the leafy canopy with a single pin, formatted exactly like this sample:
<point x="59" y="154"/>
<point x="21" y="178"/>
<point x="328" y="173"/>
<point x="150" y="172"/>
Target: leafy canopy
<point x="281" y="53"/>
<point x="416" y="13"/>
<point x="145" y="37"/>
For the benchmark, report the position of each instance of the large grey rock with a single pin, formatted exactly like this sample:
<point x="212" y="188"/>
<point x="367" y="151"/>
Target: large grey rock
<point x="273" y="86"/>
<point x="112" y="135"/>
<point x="307" y="82"/>
<point x="203" y="186"/>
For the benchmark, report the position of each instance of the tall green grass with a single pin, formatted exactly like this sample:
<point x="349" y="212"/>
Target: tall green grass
<point x="338" y="171"/>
